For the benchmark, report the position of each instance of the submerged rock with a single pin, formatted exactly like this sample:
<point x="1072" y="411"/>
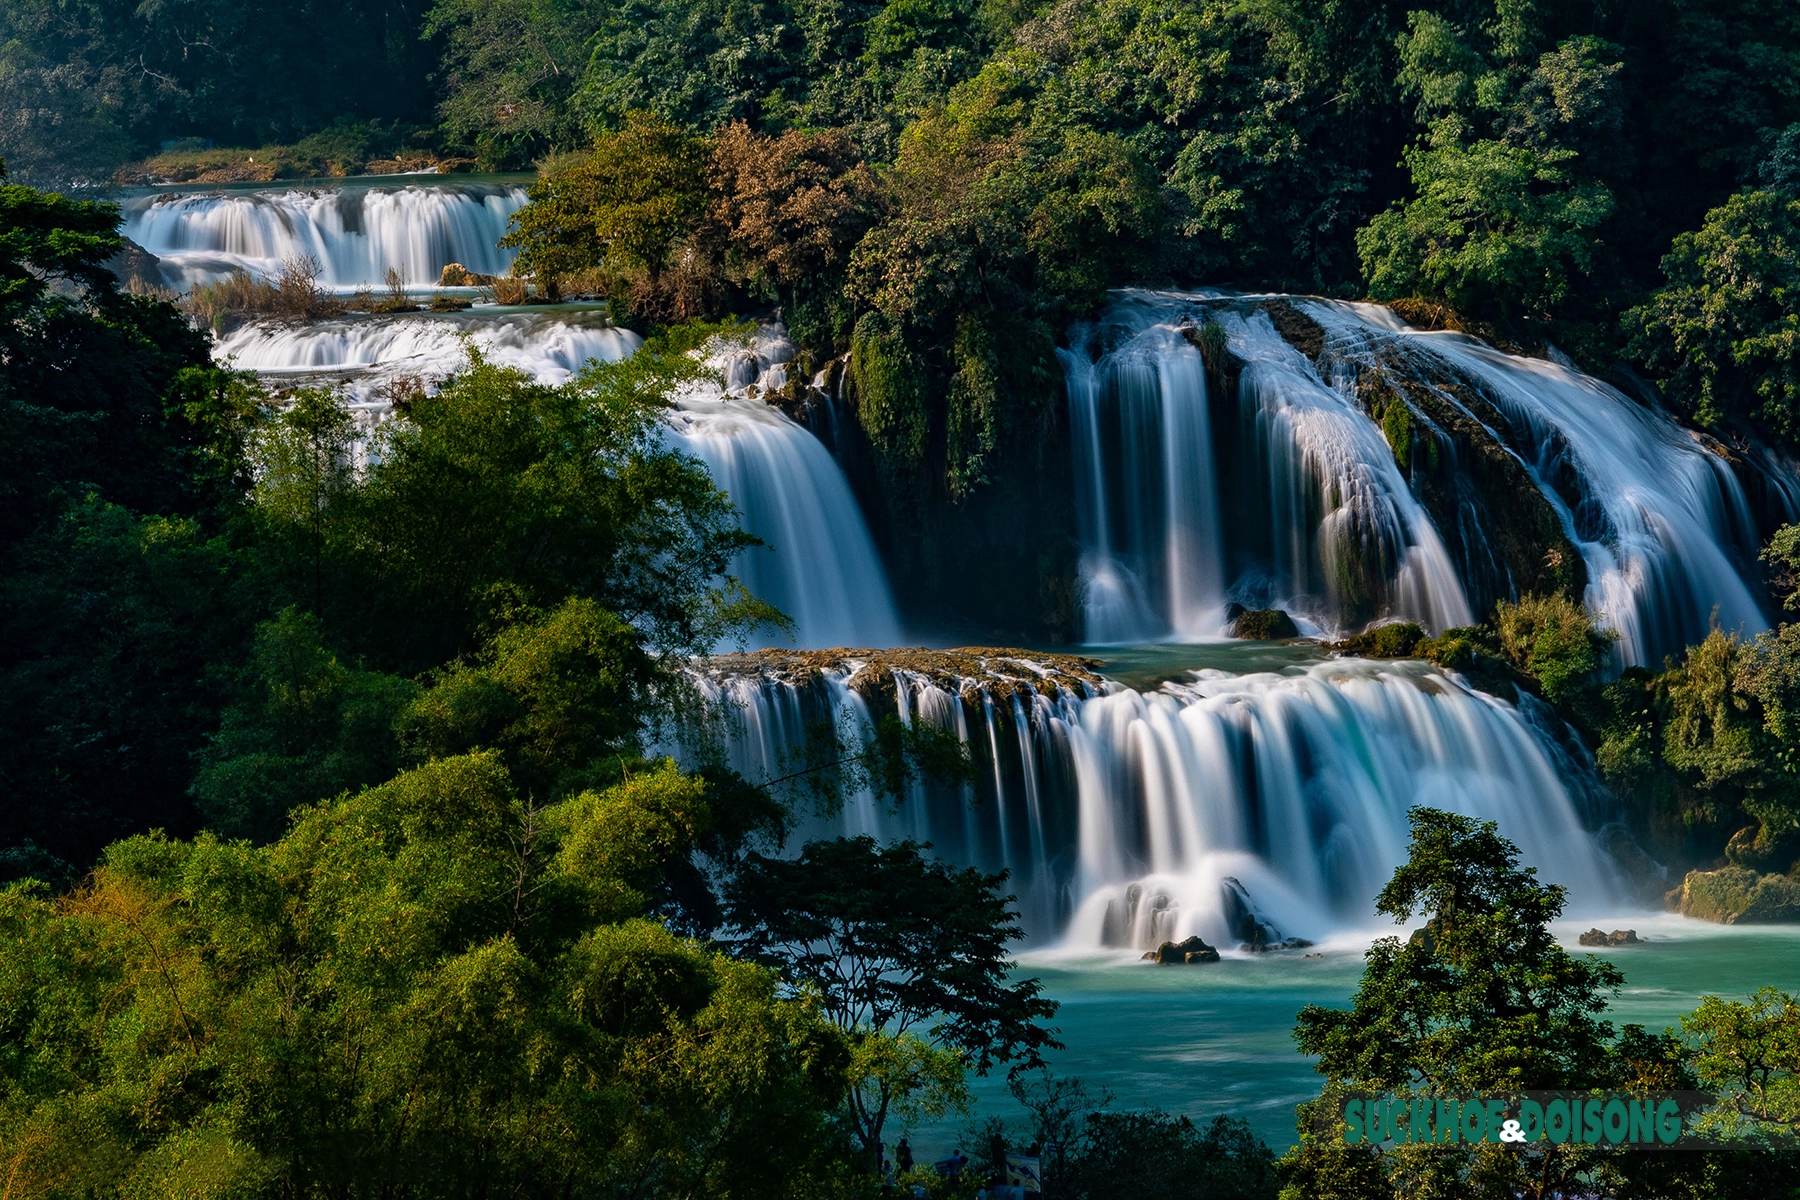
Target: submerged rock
<point x="1260" y="624"/>
<point x="1737" y="896"/>
<point x="1192" y="950"/>
<point x="1618" y="937"/>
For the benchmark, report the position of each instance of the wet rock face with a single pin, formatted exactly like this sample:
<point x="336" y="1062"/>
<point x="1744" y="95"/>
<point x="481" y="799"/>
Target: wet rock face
<point x="1618" y="937"/>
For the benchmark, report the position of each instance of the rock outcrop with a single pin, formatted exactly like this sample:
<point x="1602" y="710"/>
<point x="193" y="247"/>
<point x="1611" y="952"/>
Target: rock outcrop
<point x="1193" y="950"/>
<point x="1618" y="937"/>
<point x="1737" y="896"/>
<point x="1260" y="624"/>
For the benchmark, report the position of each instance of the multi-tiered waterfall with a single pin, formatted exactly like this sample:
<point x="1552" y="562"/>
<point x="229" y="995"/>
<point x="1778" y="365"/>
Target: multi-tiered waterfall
<point x="1269" y="451"/>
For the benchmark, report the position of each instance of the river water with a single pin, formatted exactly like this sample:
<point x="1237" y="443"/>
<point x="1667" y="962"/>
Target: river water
<point x="1217" y="1039"/>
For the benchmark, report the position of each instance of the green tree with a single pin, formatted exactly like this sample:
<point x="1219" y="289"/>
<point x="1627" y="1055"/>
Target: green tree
<point x="638" y="205"/>
<point x="894" y="942"/>
<point x="1481" y="998"/>
<point x="511" y="70"/>
<point x="425" y="985"/>
<point x="1503" y="224"/>
<point x="1722" y="337"/>
<point x="306" y="728"/>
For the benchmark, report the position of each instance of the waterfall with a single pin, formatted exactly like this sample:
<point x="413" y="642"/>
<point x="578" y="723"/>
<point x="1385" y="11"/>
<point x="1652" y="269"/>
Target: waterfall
<point x="355" y="231"/>
<point x="1148" y="507"/>
<point x="1236" y="807"/>
<point x="818" y="564"/>
<point x="1661" y="522"/>
<point x="1324" y="521"/>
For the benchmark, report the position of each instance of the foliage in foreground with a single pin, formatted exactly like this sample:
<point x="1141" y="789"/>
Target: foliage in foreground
<point x="1480" y="998"/>
<point x="426" y="984"/>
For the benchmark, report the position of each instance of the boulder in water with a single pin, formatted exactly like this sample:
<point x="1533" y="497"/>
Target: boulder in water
<point x="1737" y="896"/>
<point x="1192" y="950"/>
<point x="1618" y="937"/>
<point x="1263" y="625"/>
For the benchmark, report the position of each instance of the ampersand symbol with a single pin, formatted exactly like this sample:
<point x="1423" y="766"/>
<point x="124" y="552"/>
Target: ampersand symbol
<point x="1510" y="1132"/>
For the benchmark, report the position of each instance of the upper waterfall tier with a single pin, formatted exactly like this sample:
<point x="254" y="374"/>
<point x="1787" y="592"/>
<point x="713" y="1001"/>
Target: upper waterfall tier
<point x="1660" y="521"/>
<point x="1350" y="469"/>
<point x="818" y="563"/>
<point x="1237" y="807"/>
<point x="355" y="231"/>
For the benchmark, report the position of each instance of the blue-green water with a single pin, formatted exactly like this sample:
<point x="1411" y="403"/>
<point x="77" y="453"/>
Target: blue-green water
<point x="1214" y="1039"/>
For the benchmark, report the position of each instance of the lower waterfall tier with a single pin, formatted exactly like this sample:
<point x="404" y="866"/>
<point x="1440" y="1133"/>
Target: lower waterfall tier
<point x="1242" y="808"/>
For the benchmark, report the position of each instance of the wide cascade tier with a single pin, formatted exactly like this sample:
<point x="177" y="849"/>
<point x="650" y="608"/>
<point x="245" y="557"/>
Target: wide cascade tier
<point x="366" y="355"/>
<point x="356" y="232"/>
<point x="1244" y="808"/>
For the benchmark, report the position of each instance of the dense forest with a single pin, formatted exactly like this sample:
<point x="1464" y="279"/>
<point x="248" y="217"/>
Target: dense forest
<point x="336" y="854"/>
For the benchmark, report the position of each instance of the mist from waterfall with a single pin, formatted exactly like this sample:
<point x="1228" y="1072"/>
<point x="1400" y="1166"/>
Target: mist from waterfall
<point x="1216" y="806"/>
<point x="1334" y="534"/>
<point x="355" y="231"/>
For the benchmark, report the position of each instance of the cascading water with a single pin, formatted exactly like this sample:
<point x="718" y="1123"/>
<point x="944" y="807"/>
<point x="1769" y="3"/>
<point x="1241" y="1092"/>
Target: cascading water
<point x="1661" y="522"/>
<point x="1326" y="521"/>
<point x="1237" y="807"/>
<point x="355" y="231"/>
<point x="363" y="353"/>
<point x="819" y="564"/>
<point x="1148" y="506"/>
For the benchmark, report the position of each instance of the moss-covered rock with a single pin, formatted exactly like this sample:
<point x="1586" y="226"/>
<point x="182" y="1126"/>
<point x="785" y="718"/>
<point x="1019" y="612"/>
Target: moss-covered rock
<point x="1452" y="444"/>
<point x="1737" y="896"/>
<point x="1400" y="639"/>
<point x="1261" y="624"/>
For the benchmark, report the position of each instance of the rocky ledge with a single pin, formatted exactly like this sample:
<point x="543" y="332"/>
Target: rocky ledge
<point x="1195" y="949"/>
<point x="967" y="671"/>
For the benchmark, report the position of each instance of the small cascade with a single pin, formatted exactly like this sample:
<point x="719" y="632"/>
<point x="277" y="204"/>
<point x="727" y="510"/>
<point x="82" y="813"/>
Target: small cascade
<point x="1318" y="520"/>
<point x="818" y="564"/>
<point x="363" y="354"/>
<point x="1349" y="542"/>
<point x="355" y="231"/>
<point x="1661" y="522"/>
<point x="1243" y="808"/>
